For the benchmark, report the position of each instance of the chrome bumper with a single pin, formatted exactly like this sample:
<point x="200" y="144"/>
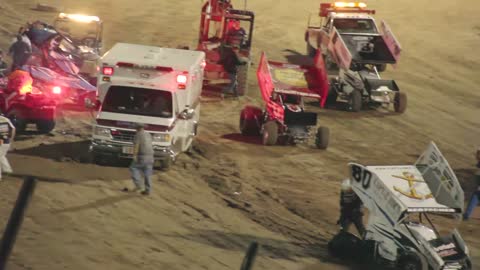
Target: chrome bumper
<point x="114" y="149"/>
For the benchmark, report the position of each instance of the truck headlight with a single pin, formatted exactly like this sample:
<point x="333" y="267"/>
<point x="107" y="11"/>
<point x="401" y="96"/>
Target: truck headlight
<point x="101" y="131"/>
<point x="161" y="137"/>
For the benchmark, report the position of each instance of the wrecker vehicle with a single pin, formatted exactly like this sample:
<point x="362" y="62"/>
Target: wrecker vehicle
<point x="222" y="25"/>
<point x="354" y="44"/>
<point x="283" y="87"/>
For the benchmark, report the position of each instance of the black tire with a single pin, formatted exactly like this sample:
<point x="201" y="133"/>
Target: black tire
<point x="381" y="67"/>
<point x="311" y="52"/>
<point x="409" y="262"/>
<point x="248" y="127"/>
<point x="322" y="137"/>
<point x="20" y="123"/>
<point x="166" y="164"/>
<point x="45" y="126"/>
<point x="355" y="101"/>
<point x="242" y="79"/>
<point x="344" y="244"/>
<point x="332" y="94"/>
<point x="400" y="102"/>
<point x="270" y="133"/>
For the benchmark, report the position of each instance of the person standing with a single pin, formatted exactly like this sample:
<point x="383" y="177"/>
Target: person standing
<point x="230" y="62"/>
<point x="7" y="134"/>
<point x="143" y="159"/>
<point x="351" y="209"/>
<point x="23" y="32"/>
<point x="475" y="199"/>
<point x="20" y="52"/>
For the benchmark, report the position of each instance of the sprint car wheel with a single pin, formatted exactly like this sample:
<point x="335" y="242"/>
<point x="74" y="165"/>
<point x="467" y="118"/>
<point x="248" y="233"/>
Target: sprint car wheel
<point x="381" y="67"/>
<point x="45" y="126"/>
<point x="400" y="102"/>
<point x="270" y="133"/>
<point x="322" y="138"/>
<point x="410" y="262"/>
<point x="311" y="50"/>
<point x="344" y="244"/>
<point x="248" y="126"/>
<point x="355" y="101"/>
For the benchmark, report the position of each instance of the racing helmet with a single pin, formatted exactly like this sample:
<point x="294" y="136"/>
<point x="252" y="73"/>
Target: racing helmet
<point x="346" y="186"/>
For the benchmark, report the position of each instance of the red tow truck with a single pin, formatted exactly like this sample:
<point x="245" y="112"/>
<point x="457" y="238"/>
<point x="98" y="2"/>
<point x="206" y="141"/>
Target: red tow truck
<point x="221" y="24"/>
<point x="283" y="87"/>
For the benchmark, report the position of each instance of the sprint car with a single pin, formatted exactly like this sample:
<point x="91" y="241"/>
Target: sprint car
<point x="413" y="212"/>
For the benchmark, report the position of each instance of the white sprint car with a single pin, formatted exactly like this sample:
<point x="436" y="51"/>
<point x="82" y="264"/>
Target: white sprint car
<point x="412" y="214"/>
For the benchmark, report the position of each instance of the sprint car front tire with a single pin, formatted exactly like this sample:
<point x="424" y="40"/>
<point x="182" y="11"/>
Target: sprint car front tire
<point x="45" y="126"/>
<point x="409" y="262"/>
<point x="322" y="137"/>
<point x="270" y="133"/>
<point x="355" y="101"/>
<point x="400" y="102"/>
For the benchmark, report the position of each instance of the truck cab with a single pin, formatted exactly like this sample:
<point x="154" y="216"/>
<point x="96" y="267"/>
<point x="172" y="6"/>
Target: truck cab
<point x="158" y="87"/>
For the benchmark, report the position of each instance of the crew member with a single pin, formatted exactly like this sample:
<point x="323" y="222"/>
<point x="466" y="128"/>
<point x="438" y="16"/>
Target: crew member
<point x="22" y="31"/>
<point x="474" y="200"/>
<point x="7" y="134"/>
<point x="20" y="52"/>
<point x="230" y="61"/>
<point x="351" y="209"/>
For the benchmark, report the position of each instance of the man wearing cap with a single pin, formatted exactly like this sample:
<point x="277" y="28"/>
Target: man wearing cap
<point x="474" y="200"/>
<point x="20" y="52"/>
<point x="143" y="159"/>
<point x="351" y="209"/>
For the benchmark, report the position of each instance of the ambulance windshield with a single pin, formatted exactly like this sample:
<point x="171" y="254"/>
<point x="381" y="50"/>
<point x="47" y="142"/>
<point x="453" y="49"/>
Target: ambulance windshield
<point x="138" y="101"/>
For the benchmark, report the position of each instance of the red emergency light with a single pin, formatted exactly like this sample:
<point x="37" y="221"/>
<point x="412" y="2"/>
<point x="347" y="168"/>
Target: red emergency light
<point x="108" y="71"/>
<point x="57" y="90"/>
<point x="344" y="7"/>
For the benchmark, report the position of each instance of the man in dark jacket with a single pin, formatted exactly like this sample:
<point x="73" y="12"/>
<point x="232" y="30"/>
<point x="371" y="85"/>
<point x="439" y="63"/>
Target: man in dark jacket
<point x="230" y="62"/>
<point x="351" y="209"/>
<point x="20" y="52"/>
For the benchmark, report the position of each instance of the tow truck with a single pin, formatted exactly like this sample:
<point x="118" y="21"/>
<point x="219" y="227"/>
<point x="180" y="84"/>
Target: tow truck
<point x="159" y="87"/>
<point x="221" y="24"/>
<point x="413" y="214"/>
<point x="86" y="31"/>
<point x="283" y="87"/>
<point x="353" y="43"/>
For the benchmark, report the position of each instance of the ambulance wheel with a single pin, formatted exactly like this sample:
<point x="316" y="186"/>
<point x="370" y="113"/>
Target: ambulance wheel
<point x="311" y="50"/>
<point x="409" y="262"/>
<point x="322" y="138"/>
<point x="400" y="102"/>
<point x="355" y="101"/>
<point x="20" y="123"/>
<point x="165" y="164"/>
<point x="248" y="126"/>
<point x="242" y="77"/>
<point x="270" y="133"/>
<point x="45" y="126"/>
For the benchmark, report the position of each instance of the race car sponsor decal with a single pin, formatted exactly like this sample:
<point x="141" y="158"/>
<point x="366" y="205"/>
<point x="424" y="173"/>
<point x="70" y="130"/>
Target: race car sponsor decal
<point x="293" y="77"/>
<point x="411" y="192"/>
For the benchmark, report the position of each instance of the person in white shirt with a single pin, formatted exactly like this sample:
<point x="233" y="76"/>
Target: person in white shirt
<point x="7" y="134"/>
<point x="25" y="39"/>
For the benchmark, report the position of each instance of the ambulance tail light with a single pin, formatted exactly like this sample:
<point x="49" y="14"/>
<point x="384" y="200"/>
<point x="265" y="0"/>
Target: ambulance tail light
<point x="107" y="71"/>
<point x="182" y="81"/>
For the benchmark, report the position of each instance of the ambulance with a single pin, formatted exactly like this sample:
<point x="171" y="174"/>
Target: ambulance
<point x="158" y="87"/>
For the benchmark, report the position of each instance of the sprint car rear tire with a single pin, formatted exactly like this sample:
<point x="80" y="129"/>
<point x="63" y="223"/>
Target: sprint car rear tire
<point x="311" y="50"/>
<point x="355" y="101"/>
<point x="270" y="133"/>
<point x="45" y="126"/>
<point x="400" y="102"/>
<point x="344" y="244"/>
<point x="381" y="67"/>
<point x="242" y="79"/>
<point x="409" y="262"/>
<point x="248" y="126"/>
<point x="17" y="120"/>
<point x="322" y="137"/>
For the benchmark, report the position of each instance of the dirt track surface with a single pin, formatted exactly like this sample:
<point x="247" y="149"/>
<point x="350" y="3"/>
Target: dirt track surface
<point x="232" y="190"/>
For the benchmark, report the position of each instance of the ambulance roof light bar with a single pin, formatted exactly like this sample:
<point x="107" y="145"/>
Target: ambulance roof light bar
<point x="79" y="17"/>
<point x="344" y="7"/>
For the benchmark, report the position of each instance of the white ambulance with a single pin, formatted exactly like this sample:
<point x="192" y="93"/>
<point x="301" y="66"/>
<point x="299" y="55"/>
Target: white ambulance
<point x="158" y="87"/>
